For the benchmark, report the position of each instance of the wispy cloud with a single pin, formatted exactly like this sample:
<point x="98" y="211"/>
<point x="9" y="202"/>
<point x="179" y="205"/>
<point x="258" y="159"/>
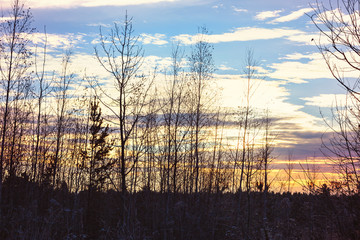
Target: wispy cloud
<point x="99" y="25"/>
<point x="300" y="68"/>
<point x="239" y="9"/>
<point x="298" y="56"/>
<point x="327" y="100"/>
<point x="225" y="68"/>
<point x="57" y="41"/>
<point x="4" y="19"/>
<point x="240" y="34"/>
<point x="304" y="38"/>
<point x="218" y="6"/>
<point x="156" y="39"/>
<point x="292" y="16"/>
<point x="152" y="62"/>
<point x="299" y="71"/>
<point x="267" y="14"/>
<point x="271" y="95"/>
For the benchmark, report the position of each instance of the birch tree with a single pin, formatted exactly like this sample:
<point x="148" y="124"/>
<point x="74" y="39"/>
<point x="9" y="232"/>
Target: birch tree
<point x="201" y="69"/>
<point x="121" y="56"/>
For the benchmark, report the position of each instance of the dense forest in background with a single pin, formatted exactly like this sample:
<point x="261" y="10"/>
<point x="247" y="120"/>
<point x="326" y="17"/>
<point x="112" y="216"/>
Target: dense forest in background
<point x="157" y="165"/>
<point x="38" y="211"/>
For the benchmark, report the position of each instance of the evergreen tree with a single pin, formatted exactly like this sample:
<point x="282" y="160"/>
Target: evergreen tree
<point x="97" y="151"/>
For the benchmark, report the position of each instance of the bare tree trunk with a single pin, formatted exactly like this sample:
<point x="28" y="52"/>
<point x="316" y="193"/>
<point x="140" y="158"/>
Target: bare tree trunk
<point x="266" y="155"/>
<point x="44" y="89"/>
<point x="62" y="99"/>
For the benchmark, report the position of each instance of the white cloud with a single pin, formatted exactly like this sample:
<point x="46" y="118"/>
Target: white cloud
<point x="304" y="38"/>
<point x="267" y="14"/>
<point x="239" y="9"/>
<point x="270" y="95"/>
<point x="88" y="63"/>
<point x="225" y="68"/>
<point x="298" y="72"/>
<point x="337" y="15"/>
<point x="327" y="100"/>
<point x="99" y="25"/>
<point x="234" y="89"/>
<point x="156" y="39"/>
<point x="292" y="16"/>
<point x="313" y="68"/>
<point x="4" y="19"/>
<point x="186" y="39"/>
<point x="57" y="41"/>
<point x="218" y="6"/>
<point x="260" y="70"/>
<point x="154" y="62"/>
<point x="298" y="56"/>
<point x="343" y="27"/>
<point x="241" y="34"/>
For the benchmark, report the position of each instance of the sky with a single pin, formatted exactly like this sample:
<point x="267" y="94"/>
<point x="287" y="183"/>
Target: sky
<point x="296" y="85"/>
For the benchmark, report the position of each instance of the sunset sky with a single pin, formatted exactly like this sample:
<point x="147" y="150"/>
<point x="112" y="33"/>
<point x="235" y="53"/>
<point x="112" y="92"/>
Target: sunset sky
<point x="297" y="84"/>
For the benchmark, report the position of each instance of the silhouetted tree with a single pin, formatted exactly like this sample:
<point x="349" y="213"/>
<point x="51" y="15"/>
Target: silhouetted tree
<point x="99" y="165"/>
<point x="62" y="115"/>
<point x="40" y="92"/>
<point x="14" y="63"/>
<point x="201" y="70"/>
<point x="338" y="24"/>
<point x="121" y="56"/>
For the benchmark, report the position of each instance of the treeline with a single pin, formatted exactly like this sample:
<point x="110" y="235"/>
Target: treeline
<point x="34" y="211"/>
<point x="134" y="159"/>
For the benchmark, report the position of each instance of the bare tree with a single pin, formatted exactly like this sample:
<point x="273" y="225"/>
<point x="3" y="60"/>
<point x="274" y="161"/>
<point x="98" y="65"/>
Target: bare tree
<point x="289" y="171"/>
<point x="217" y="179"/>
<point x="62" y="116"/>
<point x="266" y="159"/>
<point x="152" y="163"/>
<point x="247" y="156"/>
<point x="338" y="24"/>
<point x="173" y="109"/>
<point x="18" y="116"/>
<point x="40" y="92"/>
<point x="342" y="144"/>
<point x="121" y="56"/>
<point x="201" y="68"/>
<point x="14" y="63"/>
<point x="248" y="122"/>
